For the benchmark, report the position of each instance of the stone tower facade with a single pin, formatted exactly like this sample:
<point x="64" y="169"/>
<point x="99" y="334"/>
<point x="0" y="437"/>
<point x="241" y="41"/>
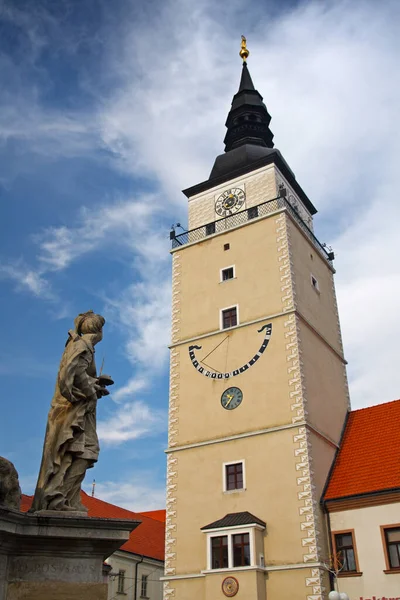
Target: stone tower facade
<point x="258" y="389"/>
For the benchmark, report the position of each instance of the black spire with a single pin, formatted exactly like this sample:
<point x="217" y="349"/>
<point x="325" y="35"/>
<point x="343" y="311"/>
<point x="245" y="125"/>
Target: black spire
<point x="248" y="120"/>
<point x="249" y="138"/>
<point x="248" y="141"/>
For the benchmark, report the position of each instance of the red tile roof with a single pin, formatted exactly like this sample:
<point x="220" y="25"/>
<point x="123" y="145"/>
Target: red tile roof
<point x="369" y="456"/>
<point x="158" y="515"/>
<point x="147" y="539"/>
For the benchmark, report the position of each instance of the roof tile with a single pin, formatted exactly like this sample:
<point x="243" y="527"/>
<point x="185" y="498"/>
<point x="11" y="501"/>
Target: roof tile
<point x="234" y="519"/>
<point x="147" y="539"/>
<point x="369" y="457"/>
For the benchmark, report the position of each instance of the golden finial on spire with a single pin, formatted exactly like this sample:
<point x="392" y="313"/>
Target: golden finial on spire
<point x="244" y="52"/>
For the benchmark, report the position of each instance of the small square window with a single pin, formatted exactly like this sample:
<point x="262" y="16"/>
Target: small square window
<point x="392" y="541"/>
<point x="234" y="476"/>
<point x="226" y="246"/>
<point x="314" y="283"/>
<point x="210" y="228"/>
<point x="252" y="212"/>
<point x="229" y="317"/>
<point x="228" y="273"/>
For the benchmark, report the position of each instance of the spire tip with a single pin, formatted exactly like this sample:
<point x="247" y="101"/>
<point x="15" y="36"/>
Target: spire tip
<point x="244" y="51"/>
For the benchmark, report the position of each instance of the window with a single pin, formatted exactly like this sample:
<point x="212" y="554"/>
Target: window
<point x="241" y="550"/>
<point x="234" y="476"/>
<point x="210" y="228"/>
<point x="252" y="212"/>
<point x="229" y="317"/>
<point x="219" y="552"/>
<point x="345" y="557"/>
<point x="233" y="548"/>
<point x="314" y="283"/>
<point x="227" y="273"/>
<point x="143" y="588"/>
<point x="121" y="582"/>
<point x="391" y="538"/>
<point x="226" y="246"/>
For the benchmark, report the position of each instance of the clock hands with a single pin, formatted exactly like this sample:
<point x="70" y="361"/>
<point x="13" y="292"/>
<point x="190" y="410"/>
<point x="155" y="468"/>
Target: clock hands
<point x="209" y="366"/>
<point x="213" y="350"/>
<point x="230" y="396"/>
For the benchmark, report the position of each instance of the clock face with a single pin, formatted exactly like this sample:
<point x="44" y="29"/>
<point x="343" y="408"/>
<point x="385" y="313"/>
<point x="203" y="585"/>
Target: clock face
<point x="208" y="371"/>
<point x="230" y="202"/>
<point x="230" y="586"/>
<point x="231" y="398"/>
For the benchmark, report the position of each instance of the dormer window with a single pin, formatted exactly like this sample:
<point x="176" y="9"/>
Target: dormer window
<point x="232" y="541"/>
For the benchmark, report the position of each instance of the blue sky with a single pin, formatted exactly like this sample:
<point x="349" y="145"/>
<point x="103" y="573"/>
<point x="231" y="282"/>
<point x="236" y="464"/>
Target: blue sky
<point x="107" y="111"/>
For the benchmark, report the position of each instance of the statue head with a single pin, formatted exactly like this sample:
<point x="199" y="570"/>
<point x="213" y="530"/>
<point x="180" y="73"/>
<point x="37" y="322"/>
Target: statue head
<point x="90" y="323"/>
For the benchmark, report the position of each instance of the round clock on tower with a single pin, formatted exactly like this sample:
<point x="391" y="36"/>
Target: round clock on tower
<point x="258" y="389"/>
<point x="229" y="202"/>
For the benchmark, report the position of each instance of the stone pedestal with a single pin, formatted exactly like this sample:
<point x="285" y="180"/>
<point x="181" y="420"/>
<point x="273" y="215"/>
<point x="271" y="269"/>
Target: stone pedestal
<point x="58" y="556"/>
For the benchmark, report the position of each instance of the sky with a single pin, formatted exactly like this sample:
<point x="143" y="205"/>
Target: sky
<point x="107" y="111"/>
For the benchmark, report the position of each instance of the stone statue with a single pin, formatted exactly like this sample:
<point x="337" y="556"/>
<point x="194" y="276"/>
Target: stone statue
<point x="71" y="445"/>
<point x="10" y="492"/>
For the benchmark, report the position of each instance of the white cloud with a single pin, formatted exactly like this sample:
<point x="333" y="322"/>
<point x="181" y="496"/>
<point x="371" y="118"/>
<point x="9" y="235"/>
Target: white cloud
<point x="132" y="386"/>
<point x="130" y="422"/>
<point x="143" y="312"/>
<point x="123" y="223"/>
<point x="27" y="279"/>
<point x="142" y="493"/>
<point x="326" y="71"/>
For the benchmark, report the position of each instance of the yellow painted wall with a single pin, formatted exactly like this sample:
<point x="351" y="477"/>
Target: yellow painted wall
<point x="319" y="308"/>
<point x="277" y="585"/>
<point x="264" y="386"/>
<point x="297" y="380"/>
<point x="271" y="494"/>
<point x="325" y="384"/>
<point x="256" y="288"/>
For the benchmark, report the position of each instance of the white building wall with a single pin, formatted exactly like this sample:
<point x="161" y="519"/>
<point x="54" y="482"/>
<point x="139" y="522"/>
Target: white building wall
<point x="367" y="522"/>
<point x="126" y="561"/>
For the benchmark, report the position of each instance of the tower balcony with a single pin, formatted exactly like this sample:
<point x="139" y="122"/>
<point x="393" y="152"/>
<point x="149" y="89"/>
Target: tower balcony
<point x="246" y="216"/>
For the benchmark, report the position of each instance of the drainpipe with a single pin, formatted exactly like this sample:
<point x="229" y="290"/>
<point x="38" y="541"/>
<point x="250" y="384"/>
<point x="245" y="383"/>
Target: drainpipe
<point x="136" y="573"/>
<point x="328" y="522"/>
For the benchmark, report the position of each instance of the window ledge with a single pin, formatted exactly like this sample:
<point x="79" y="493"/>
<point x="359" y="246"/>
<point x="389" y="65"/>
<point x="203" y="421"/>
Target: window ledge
<point x="232" y="569"/>
<point x="350" y="574"/>
<point x="226" y="280"/>
<point x="395" y="570"/>
<point x="237" y="491"/>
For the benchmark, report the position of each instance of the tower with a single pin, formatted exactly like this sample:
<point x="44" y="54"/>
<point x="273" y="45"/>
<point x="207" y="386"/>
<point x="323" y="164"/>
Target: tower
<point x="258" y="388"/>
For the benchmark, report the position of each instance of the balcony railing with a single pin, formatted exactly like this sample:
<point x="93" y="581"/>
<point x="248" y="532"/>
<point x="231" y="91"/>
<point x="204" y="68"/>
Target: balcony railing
<point x="244" y="216"/>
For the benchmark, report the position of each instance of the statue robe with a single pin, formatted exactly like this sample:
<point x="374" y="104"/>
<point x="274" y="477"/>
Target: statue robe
<point x="71" y="425"/>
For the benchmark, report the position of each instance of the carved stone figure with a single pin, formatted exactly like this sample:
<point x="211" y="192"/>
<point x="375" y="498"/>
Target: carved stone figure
<point x="71" y="445"/>
<point x="10" y="492"/>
